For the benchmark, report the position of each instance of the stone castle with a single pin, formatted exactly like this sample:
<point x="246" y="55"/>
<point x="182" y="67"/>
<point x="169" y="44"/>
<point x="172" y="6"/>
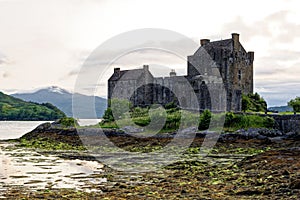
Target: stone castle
<point x="218" y="73"/>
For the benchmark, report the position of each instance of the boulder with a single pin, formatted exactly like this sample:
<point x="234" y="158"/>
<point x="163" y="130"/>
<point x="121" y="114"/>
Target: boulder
<point x="132" y="129"/>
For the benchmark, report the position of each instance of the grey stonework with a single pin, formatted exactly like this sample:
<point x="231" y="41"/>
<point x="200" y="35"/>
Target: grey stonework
<point x="219" y="73"/>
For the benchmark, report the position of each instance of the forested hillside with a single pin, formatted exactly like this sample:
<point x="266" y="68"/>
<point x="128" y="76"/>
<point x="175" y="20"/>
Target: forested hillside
<point x="12" y="108"/>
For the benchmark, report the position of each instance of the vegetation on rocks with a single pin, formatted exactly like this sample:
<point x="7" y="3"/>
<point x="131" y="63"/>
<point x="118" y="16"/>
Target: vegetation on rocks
<point x="48" y="144"/>
<point x="67" y="122"/>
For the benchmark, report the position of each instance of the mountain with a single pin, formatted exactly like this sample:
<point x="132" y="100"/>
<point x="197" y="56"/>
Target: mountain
<point x="281" y="108"/>
<point x="62" y="99"/>
<point x="12" y="108"/>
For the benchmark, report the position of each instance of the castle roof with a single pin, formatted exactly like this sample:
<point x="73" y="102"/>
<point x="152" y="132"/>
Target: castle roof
<point x="219" y="44"/>
<point x="130" y="74"/>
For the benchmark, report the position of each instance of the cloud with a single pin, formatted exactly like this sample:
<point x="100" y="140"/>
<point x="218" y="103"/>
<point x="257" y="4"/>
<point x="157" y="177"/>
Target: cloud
<point x="73" y="72"/>
<point x="248" y="31"/>
<point x="162" y="55"/>
<point x="3" y="59"/>
<point x="275" y="26"/>
<point x="277" y="63"/>
<point x="5" y="75"/>
<point x="284" y="55"/>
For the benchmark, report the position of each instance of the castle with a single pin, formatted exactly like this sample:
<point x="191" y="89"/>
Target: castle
<point x="218" y="73"/>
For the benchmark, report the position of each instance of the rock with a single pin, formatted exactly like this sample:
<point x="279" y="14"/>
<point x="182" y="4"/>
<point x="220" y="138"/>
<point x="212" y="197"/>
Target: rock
<point x="286" y="173"/>
<point x="229" y="137"/>
<point x="187" y="132"/>
<point x="42" y="127"/>
<point x="261" y="137"/>
<point x="258" y="133"/>
<point x="276" y="139"/>
<point x="295" y="184"/>
<point x="290" y="134"/>
<point x="250" y="135"/>
<point x="270" y="132"/>
<point x="131" y="129"/>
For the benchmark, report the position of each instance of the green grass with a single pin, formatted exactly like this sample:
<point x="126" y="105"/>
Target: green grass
<point x="286" y="113"/>
<point x="232" y="122"/>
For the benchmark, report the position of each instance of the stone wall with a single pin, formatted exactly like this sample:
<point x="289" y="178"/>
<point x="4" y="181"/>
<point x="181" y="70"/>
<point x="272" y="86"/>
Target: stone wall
<point x="286" y="123"/>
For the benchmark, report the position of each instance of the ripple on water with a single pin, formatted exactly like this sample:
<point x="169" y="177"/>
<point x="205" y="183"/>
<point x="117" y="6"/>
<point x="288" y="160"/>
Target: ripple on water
<point x="23" y="167"/>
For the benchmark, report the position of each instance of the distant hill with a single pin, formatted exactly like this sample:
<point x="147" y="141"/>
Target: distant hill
<point x="12" y="108"/>
<point x="281" y="108"/>
<point x="62" y="99"/>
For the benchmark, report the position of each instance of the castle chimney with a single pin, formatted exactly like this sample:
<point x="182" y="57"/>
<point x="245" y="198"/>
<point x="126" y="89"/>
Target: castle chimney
<point x="172" y="73"/>
<point x="117" y="71"/>
<point x="146" y="67"/>
<point x="251" y="56"/>
<point x="235" y="39"/>
<point x="204" y="41"/>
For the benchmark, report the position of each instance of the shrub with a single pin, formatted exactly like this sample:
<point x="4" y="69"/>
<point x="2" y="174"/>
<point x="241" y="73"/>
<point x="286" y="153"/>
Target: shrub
<point x="205" y="118"/>
<point x="139" y="112"/>
<point x="171" y="105"/>
<point x="141" y="121"/>
<point x="157" y="116"/>
<point x="119" y="107"/>
<point x="68" y="122"/>
<point x="269" y="122"/>
<point x="239" y="121"/>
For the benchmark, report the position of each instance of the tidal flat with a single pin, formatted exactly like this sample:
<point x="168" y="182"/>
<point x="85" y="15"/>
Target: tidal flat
<point x="233" y="169"/>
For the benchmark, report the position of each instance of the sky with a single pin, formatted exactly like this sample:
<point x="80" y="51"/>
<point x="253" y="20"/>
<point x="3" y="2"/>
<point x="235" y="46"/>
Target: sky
<point x="45" y="42"/>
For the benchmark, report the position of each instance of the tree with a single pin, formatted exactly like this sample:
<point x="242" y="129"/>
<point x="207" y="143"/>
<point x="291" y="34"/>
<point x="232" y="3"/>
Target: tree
<point x="254" y="103"/>
<point x="295" y="103"/>
<point x="108" y="115"/>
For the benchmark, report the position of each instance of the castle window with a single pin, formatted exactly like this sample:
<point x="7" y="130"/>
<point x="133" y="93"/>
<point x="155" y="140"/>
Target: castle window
<point x="240" y="74"/>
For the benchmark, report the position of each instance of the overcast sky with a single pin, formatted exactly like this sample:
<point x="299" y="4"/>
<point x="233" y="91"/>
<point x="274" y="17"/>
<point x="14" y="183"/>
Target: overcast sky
<point x="45" y="42"/>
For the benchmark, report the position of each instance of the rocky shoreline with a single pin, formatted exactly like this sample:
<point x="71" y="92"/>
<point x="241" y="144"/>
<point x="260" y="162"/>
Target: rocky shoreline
<point x="71" y="134"/>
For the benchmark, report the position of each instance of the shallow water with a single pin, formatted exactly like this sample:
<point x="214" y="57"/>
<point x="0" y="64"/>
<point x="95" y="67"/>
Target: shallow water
<point x="88" y="122"/>
<point x="25" y="167"/>
<point x="15" y="129"/>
